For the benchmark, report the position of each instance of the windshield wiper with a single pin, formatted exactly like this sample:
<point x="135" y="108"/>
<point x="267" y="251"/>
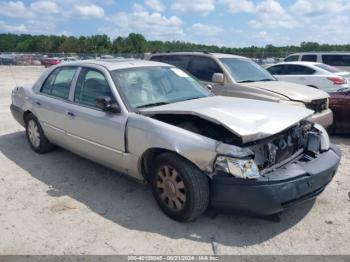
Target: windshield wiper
<point x="266" y="80"/>
<point x="192" y="98"/>
<point x="247" y="81"/>
<point x="152" y="104"/>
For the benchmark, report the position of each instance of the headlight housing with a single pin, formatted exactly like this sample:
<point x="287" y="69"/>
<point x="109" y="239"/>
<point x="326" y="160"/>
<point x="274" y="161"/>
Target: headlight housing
<point x="293" y="103"/>
<point x="241" y="168"/>
<point x="325" y="142"/>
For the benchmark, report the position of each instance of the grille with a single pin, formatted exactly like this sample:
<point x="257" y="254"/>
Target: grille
<point x="317" y="105"/>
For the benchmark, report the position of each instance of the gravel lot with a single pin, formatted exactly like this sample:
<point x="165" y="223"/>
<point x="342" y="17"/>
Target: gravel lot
<point x="60" y="203"/>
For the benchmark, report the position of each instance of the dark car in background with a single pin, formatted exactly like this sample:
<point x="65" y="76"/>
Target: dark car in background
<point x="340" y="104"/>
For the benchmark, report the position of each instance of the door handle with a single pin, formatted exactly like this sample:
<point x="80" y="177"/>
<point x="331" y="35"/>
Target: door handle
<point x="70" y="114"/>
<point x="37" y="103"/>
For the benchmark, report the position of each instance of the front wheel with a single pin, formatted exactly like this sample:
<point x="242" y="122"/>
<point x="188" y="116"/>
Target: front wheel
<point x="180" y="188"/>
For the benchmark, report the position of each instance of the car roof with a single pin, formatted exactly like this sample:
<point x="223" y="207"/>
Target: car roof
<point x="114" y="64"/>
<point x="320" y="52"/>
<point x="217" y="55"/>
<point x="306" y="63"/>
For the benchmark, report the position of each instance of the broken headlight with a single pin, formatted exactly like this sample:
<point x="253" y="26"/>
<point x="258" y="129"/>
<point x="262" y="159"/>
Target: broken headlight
<point x="325" y="142"/>
<point x="241" y="168"/>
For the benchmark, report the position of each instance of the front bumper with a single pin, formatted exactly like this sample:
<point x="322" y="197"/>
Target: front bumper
<point x="324" y="118"/>
<point x="285" y="187"/>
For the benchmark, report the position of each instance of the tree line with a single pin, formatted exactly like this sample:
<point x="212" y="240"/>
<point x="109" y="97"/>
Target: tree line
<point x="138" y="44"/>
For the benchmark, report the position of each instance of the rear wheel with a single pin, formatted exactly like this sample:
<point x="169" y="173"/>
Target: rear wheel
<point x="36" y="137"/>
<point x="180" y="188"/>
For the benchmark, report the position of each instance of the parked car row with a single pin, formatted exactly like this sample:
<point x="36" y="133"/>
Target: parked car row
<point x="46" y="60"/>
<point x="19" y="59"/>
<point x="158" y="124"/>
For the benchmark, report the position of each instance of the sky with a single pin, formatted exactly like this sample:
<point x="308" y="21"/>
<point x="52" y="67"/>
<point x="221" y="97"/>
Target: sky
<point x="233" y="23"/>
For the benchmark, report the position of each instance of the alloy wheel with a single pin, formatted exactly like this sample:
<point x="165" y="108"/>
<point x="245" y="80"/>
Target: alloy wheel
<point x="33" y="133"/>
<point x="171" y="188"/>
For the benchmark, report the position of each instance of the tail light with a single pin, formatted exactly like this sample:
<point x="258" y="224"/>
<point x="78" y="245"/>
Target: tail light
<point x="337" y="80"/>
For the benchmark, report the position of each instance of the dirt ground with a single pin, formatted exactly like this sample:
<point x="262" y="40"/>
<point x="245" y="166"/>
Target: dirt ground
<point x="60" y="203"/>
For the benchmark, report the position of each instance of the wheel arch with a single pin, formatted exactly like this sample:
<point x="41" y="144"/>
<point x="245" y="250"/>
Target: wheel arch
<point x="27" y="113"/>
<point x="147" y="158"/>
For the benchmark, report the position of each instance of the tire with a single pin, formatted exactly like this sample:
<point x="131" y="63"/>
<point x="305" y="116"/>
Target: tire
<point x="40" y="144"/>
<point x="180" y="188"/>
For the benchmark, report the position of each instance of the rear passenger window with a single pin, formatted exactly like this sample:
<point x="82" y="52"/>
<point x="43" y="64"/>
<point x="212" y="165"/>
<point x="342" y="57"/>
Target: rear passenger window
<point x="292" y="58"/>
<point x="309" y="58"/>
<point x="90" y="85"/>
<point x="180" y="61"/>
<point x="336" y="60"/>
<point x="203" y="68"/>
<point x="298" y="70"/>
<point x="59" y="81"/>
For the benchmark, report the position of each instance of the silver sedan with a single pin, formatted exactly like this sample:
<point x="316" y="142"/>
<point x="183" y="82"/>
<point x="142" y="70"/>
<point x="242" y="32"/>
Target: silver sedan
<point x="157" y="124"/>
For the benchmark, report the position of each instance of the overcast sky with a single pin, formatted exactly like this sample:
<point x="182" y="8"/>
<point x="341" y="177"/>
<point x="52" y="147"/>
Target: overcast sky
<point x="220" y="22"/>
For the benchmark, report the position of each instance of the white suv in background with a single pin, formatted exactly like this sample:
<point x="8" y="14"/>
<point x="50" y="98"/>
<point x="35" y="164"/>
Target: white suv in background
<point x="340" y="60"/>
<point x="237" y="76"/>
<point x="317" y="75"/>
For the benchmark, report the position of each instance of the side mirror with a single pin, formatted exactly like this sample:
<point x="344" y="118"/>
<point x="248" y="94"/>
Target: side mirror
<point x="218" y="78"/>
<point x="105" y="103"/>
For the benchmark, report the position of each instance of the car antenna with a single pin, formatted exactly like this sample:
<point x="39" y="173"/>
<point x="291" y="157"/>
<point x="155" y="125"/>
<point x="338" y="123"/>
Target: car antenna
<point x="13" y="76"/>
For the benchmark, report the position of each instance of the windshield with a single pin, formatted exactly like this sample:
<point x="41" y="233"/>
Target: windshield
<point x="245" y="70"/>
<point x="328" y="68"/>
<point x="152" y="86"/>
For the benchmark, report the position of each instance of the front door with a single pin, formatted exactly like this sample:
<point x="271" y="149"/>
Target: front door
<point x="91" y="132"/>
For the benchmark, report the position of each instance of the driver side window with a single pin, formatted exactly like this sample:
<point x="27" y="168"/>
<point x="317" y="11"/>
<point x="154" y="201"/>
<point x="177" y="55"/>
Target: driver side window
<point x="204" y="68"/>
<point x="90" y="85"/>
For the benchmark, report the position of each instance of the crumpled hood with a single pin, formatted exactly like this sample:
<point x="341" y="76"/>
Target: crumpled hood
<point x="292" y="91"/>
<point x="249" y="119"/>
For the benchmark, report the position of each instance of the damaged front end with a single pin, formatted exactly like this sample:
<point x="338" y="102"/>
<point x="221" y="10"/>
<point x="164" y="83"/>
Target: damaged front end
<point x="263" y="168"/>
<point x="301" y="143"/>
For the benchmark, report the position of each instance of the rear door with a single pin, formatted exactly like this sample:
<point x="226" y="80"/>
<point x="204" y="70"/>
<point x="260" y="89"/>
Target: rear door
<point x="91" y="132"/>
<point x="298" y="74"/>
<point x="51" y="103"/>
<point x="341" y="61"/>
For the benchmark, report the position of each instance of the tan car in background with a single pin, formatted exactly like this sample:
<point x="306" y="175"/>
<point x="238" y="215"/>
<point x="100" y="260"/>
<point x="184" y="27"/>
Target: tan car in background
<point x="237" y="76"/>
